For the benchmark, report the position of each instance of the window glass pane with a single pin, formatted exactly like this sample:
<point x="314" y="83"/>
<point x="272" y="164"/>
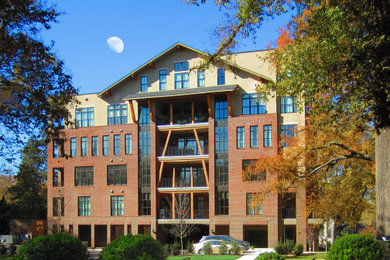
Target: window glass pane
<point x="83" y="176"/>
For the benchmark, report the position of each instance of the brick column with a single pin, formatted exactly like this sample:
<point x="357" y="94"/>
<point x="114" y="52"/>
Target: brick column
<point x="92" y="235"/>
<point x="108" y="233"/>
<point x="237" y="230"/>
<point x="273" y="232"/>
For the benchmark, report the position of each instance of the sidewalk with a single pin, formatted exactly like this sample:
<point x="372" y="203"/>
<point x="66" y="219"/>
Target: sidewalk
<point x="252" y="254"/>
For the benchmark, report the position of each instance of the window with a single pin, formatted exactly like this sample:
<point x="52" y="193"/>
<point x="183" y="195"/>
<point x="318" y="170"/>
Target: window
<point x="221" y="110"/>
<point x="84" y="117"/>
<point x="181" y="78"/>
<point x="267" y="135"/>
<point x="58" y="206"/>
<point x="56" y="150"/>
<point x="58" y="177"/>
<point x="254" y="137"/>
<point x="222" y="203"/>
<point x="117" y="114"/>
<point x="252" y="175"/>
<point x="83" y="176"/>
<point x="128" y="143"/>
<point x="95" y="146"/>
<point x="144" y="116"/>
<point x="145" y="206"/>
<point x="201" y="78"/>
<point x="84" y="146"/>
<point x="163" y="79"/>
<point x="117" y="144"/>
<point x="254" y="204"/>
<point x="221" y="171"/>
<point x="221" y="77"/>
<point x="286" y="133"/>
<point x="116" y="174"/>
<point x="84" y="206"/>
<point x="106" y="145"/>
<point x="252" y="104"/>
<point x="144" y="83"/>
<point x="288" y="105"/>
<point x="288" y="205"/>
<point x="73" y="147"/>
<point x="117" y="205"/>
<point x="240" y="137"/>
<point x="221" y="139"/>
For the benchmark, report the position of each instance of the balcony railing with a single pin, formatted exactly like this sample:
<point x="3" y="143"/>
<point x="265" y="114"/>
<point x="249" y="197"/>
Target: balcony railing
<point x="288" y="213"/>
<point x="176" y="151"/>
<point x="167" y="182"/>
<point x="198" y="214"/>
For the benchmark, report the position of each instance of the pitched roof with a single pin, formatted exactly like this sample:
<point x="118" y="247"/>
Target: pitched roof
<point x="162" y="54"/>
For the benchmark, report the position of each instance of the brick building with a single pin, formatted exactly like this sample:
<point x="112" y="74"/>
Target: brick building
<point x="167" y="129"/>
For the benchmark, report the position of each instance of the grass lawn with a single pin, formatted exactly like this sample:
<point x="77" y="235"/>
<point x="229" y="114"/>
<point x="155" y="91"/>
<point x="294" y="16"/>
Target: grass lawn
<point x="316" y="256"/>
<point x="205" y="257"/>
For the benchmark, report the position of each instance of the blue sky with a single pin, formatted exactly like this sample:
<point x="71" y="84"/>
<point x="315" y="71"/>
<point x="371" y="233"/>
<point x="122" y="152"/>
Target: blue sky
<point x="147" y="27"/>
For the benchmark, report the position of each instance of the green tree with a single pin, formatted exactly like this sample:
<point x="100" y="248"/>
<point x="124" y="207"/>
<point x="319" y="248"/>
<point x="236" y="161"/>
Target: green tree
<point x="34" y="87"/>
<point x="334" y="55"/>
<point x="28" y="194"/>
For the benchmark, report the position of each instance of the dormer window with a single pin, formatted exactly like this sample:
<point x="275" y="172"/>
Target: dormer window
<point x="221" y="77"/>
<point x="201" y="78"/>
<point x="163" y="79"/>
<point x="181" y="75"/>
<point x="144" y="83"/>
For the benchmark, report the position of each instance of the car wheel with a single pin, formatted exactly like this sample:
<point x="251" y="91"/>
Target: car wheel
<point x="200" y="252"/>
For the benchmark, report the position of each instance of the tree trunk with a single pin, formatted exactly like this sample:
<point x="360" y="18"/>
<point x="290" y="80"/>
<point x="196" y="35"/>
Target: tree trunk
<point x="382" y="157"/>
<point x="181" y="242"/>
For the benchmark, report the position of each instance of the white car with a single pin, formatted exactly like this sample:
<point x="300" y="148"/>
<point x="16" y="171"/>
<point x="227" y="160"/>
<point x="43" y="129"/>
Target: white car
<point x="215" y="245"/>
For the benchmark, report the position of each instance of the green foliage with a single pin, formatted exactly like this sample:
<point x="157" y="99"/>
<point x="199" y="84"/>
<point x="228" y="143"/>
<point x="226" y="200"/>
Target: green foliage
<point x="190" y="246"/>
<point x="167" y="250"/>
<point x="298" y="249"/>
<point x="55" y="247"/>
<point x="362" y="247"/>
<point x="236" y="249"/>
<point x="207" y="250"/>
<point x="134" y="247"/>
<point x="223" y="249"/>
<point x="289" y="245"/>
<point x="175" y="248"/>
<point x="270" y="256"/>
<point x="3" y="250"/>
<point x="281" y="248"/>
<point x="12" y="249"/>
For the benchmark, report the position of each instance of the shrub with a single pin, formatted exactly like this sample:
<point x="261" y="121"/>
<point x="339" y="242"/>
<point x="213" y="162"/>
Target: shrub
<point x="3" y="250"/>
<point x="12" y="249"/>
<point x="167" y="250"/>
<point x="281" y="248"/>
<point x="56" y="246"/>
<point x="207" y="250"/>
<point x="236" y="249"/>
<point x="223" y="249"/>
<point x="298" y="249"/>
<point x="356" y="247"/>
<point x="289" y="245"/>
<point x="175" y="248"/>
<point x="190" y="246"/>
<point x="134" y="247"/>
<point x="270" y="256"/>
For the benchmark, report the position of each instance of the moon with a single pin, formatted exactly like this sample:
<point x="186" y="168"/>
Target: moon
<point x="115" y="44"/>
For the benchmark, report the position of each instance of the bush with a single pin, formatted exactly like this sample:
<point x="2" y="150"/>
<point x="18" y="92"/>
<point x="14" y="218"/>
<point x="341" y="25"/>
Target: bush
<point x="12" y="249"/>
<point x="134" y="247"/>
<point x="223" y="249"/>
<point x="356" y="247"/>
<point x="190" y="246"/>
<point x="298" y="249"/>
<point x="270" y="256"/>
<point x="167" y="250"/>
<point x="289" y="245"/>
<point x="207" y="250"/>
<point x="56" y="246"/>
<point x="236" y="249"/>
<point x="281" y="248"/>
<point x="175" y="248"/>
<point x="3" y="250"/>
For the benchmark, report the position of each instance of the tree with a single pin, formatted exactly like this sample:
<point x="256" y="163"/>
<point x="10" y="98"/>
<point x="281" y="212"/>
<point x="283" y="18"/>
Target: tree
<point x="34" y="88"/>
<point x="335" y="55"/>
<point x="28" y="194"/>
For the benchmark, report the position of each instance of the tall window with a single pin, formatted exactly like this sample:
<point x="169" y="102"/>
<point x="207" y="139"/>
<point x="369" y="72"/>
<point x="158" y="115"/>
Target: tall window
<point x="181" y="75"/>
<point x="254" y="136"/>
<point x="144" y="116"/>
<point x="117" y="144"/>
<point x="116" y="174"/>
<point x="254" y="204"/>
<point x="144" y="83"/>
<point x="58" y="177"/>
<point x="221" y="110"/>
<point x="240" y="137"/>
<point x="221" y="77"/>
<point x="286" y="133"/>
<point x="145" y="205"/>
<point x="163" y="79"/>
<point x="267" y="135"/>
<point x="222" y="203"/>
<point x="221" y="139"/>
<point x="128" y="144"/>
<point x="288" y="105"/>
<point x="117" y="114"/>
<point x="84" y="146"/>
<point x="221" y="171"/>
<point x="252" y="104"/>
<point x="84" y="206"/>
<point x="84" y="117"/>
<point x="83" y="176"/>
<point x="56" y="150"/>
<point x="73" y="147"/>
<point x="201" y="78"/>
<point x="58" y="206"/>
<point x="95" y="146"/>
<point x="117" y="205"/>
<point x="106" y="145"/>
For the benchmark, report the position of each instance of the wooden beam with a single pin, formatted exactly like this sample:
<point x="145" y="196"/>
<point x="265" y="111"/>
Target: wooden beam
<point x="192" y="112"/>
<point x="132" y="111"/>
<point x="206" y="176"/>
<point x="198" y="142"/>
<point x="160" y="173"/>
<point x="171" y="113"/>
<point x="173" y="177"/>
<point x="150" y="111"/>
<point x="229" y="100"/>
<point x="166" y="143"/>
<point x="192" y="205"/>
<point x="209" y="106"/>
<point x="173" y="206"/>
<point x="192" y="177"/>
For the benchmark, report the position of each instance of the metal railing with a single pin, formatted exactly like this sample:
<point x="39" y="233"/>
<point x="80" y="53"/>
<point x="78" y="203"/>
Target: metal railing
<point x="166" y="213"/>
<point x="176" y="151"/>
<point x="167" y="182"/>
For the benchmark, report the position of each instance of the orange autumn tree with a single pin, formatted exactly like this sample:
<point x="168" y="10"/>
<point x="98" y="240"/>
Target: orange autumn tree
<point x="334" y="163"/>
